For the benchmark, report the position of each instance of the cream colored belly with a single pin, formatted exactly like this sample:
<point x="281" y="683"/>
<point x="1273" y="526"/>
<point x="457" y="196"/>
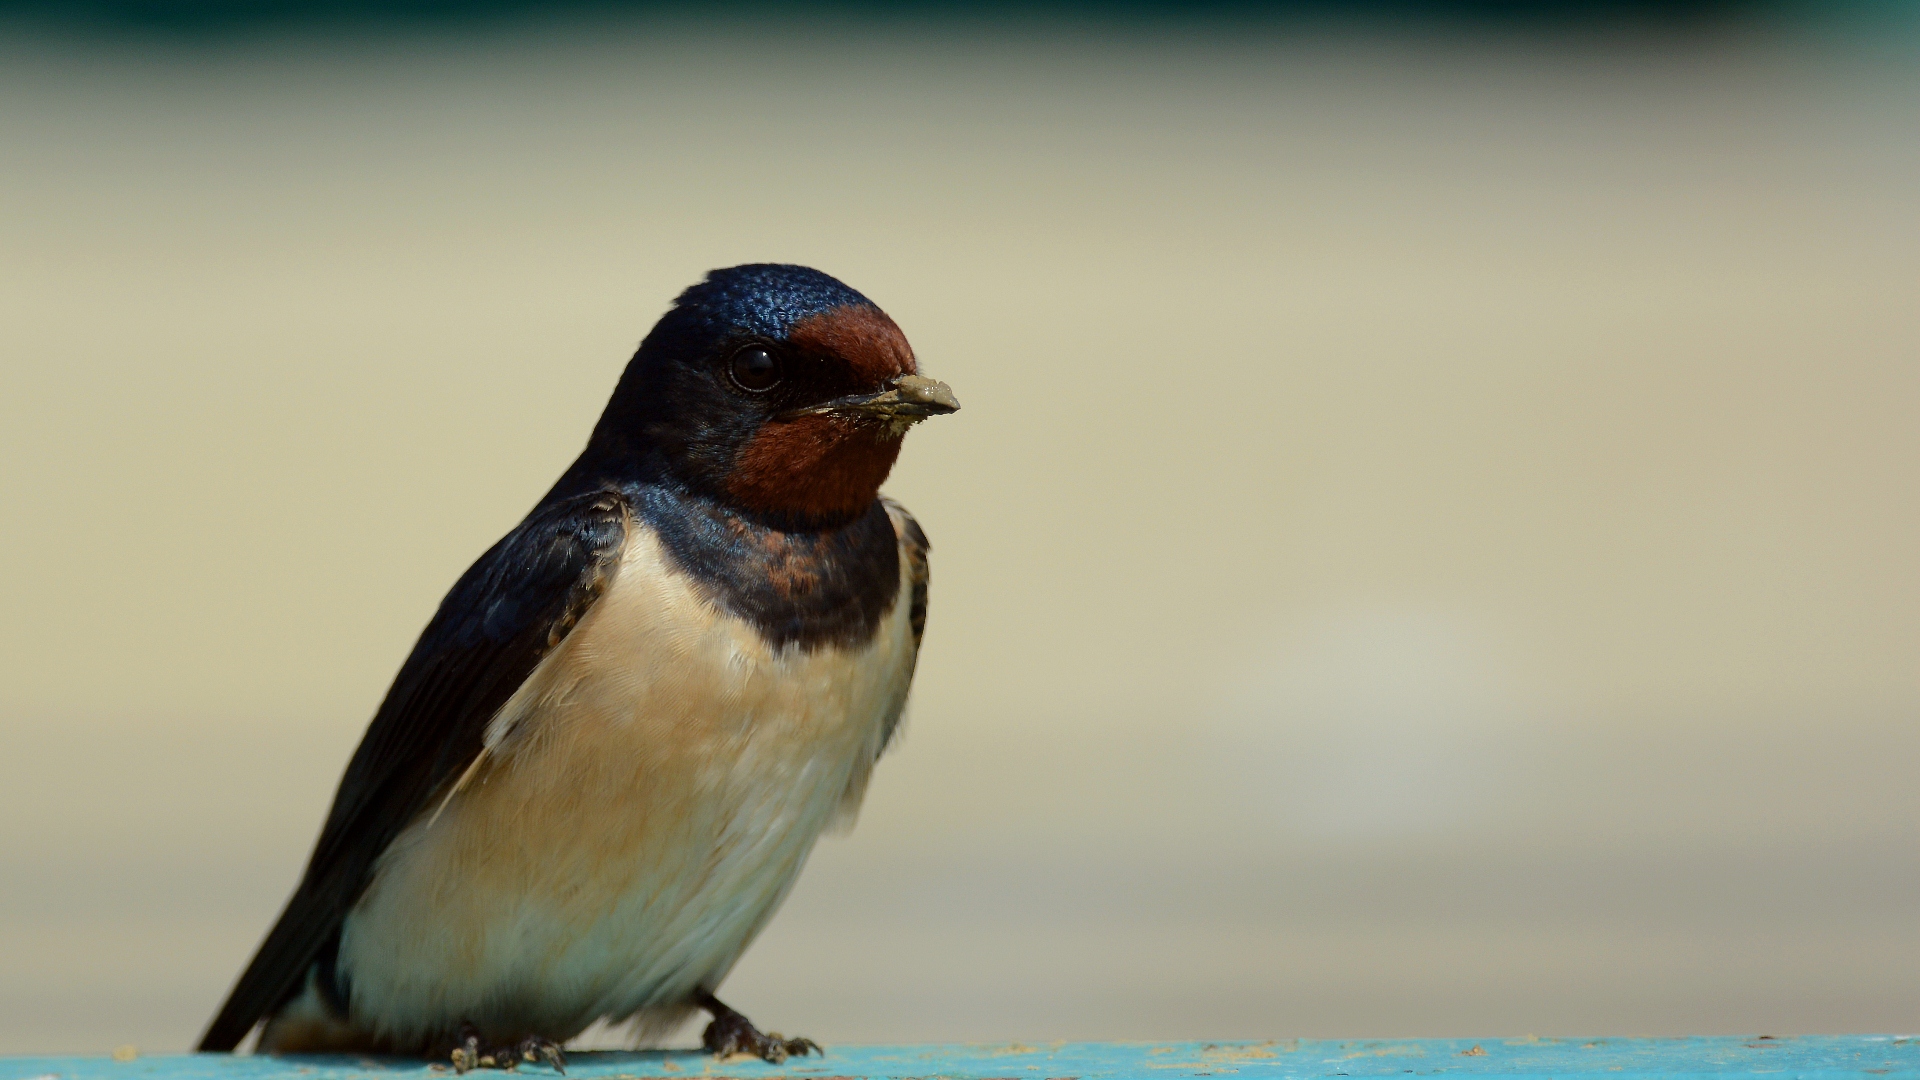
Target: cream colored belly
<point x="645" y="803"/>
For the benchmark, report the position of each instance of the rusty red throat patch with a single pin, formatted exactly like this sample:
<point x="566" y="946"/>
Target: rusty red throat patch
<point x="818" y="468"/>
<point x="825" y="468"/>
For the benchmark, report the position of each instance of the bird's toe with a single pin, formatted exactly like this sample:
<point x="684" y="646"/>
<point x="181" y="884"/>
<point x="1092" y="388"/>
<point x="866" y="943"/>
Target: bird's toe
<point x="536" y="1049"/>
<point x="797" y="1046"/>
<point x="472" y="1052"/>
<point x="732" y="1034"/>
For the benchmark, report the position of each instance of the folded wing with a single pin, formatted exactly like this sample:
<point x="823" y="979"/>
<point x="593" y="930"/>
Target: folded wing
<point x="509" y="610"/>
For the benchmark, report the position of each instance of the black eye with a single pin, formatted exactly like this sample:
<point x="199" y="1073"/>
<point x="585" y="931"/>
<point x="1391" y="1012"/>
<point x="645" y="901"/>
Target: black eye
<point x="754" y="369"/>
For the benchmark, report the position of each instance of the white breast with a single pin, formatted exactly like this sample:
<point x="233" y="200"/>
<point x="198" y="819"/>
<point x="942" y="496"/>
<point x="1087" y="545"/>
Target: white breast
<point x="645" y="802"/>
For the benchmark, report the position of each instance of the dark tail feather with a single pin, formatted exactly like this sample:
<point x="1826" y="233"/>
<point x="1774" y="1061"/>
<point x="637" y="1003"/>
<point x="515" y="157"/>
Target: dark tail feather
<point x="276" y="972"/>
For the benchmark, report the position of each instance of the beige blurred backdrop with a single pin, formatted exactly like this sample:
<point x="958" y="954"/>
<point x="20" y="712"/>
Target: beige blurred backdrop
<point x="1432" y="545"/>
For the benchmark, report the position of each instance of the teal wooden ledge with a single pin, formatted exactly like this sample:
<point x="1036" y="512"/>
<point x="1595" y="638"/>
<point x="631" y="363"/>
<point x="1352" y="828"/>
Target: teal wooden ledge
<point x="1864" y="1057"/>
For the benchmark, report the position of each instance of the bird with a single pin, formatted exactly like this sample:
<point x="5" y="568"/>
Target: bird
<point x="614" y="745"/>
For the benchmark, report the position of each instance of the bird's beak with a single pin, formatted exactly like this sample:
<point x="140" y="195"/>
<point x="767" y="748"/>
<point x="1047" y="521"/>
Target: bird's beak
<point x="908" y="399"/>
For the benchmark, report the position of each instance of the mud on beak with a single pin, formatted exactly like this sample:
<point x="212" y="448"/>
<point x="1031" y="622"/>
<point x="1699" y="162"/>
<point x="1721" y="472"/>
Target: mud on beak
<point x="907" y="400"/>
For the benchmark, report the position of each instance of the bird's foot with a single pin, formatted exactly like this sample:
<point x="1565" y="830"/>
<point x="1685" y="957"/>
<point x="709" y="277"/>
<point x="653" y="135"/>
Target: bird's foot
<point x="730" y="1034"/>
<point x="474" y="1053"/>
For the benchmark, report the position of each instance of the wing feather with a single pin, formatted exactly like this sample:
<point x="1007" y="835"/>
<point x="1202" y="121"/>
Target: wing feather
<point x="508" y="610"/>
<point x="914" y="547"/>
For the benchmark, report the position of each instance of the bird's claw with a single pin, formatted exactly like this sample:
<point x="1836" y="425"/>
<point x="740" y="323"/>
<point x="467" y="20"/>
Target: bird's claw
<point x="473" y="1054"/>
<point x="536" y="1049"/>
<point x="730" y="1035"/>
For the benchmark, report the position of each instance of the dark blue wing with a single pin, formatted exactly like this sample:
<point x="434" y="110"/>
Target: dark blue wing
<point x="914" y="547"/>
<point x="506" y="613"/>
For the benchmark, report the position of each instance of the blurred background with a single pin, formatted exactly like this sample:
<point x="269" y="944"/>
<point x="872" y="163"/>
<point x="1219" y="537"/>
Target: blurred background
<point x="1432" y="547"/>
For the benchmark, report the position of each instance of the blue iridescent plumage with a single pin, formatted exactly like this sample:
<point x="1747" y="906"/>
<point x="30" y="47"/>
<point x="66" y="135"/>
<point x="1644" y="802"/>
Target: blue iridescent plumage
<point x="760" y="298"/>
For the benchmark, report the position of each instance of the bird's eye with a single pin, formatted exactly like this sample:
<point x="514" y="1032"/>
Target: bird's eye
<point x="754" y="369"/>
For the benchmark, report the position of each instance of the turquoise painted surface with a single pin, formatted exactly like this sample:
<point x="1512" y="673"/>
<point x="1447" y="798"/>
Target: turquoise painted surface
<point x="1865" y="1057"/>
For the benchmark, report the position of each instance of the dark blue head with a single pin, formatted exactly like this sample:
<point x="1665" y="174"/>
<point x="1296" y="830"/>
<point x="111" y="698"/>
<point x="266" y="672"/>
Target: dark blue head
<point x="773" y="388"/>
<point x="766" y="299"/>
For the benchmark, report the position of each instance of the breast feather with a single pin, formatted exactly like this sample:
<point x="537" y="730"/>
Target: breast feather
<point x="643" y="803"/>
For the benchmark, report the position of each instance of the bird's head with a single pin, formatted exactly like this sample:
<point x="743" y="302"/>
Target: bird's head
<point x="775" y="389"/>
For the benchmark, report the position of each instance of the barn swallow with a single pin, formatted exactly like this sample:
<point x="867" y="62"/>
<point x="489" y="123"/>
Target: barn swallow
<point x="613" y="747"/>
